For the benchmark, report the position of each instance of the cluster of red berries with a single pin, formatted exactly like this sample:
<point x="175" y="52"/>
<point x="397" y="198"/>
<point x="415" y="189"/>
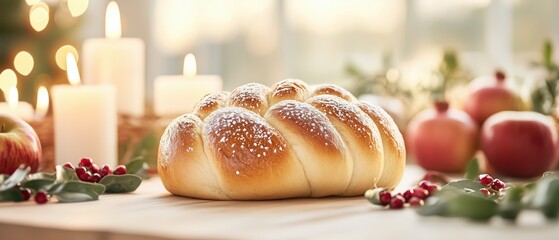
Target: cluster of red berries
<point x="413" y="197"/>
<point x="491" y="185"/>
<point x="40" y="197"/>
<point x="88" y="171"/>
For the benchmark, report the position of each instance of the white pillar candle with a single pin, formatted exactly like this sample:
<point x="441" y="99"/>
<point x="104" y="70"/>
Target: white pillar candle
<point x="85" y="120"/>
<point x="16" y="108"/>
<point x="177" y="94"/>
<point x="119" y="61"/>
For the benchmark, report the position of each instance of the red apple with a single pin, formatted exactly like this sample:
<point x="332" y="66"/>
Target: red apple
<point x="489" y="95"/>
<point x="19" y="144"/>
<point x="520" y="144"/>
<point x="442" y="139"/>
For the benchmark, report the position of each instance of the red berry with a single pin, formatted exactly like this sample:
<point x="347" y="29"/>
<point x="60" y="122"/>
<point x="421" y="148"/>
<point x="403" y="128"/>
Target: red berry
<point x="69" y="166"/>
<point x="408" y="194"/>
<point x="105" y="170"/>
<point x="120" y="170"/>
<point x="420" y="193"/>
<point x="385" y="197"/>
<point x="416" y="202"/>
<point x="26" y="193"/>
<point x="485" y="179"/>
<point x="41" y="197"/>
<point x="95" y="177"/>
<point x="397" y="202"/>
<point x="485" y="192"/>
<point x="80" y="171"/>
<point x="86" y="162"/>
<point x="93" y="168"/>
<point x="424" y="183"/>
<point x="498" y="185"/>
<point x="430" y="187"/>
<point x="86" y="177"/>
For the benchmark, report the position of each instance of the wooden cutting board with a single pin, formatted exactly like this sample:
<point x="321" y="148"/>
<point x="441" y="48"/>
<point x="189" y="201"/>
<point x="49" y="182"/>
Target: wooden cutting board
<point x="152" y="213"/>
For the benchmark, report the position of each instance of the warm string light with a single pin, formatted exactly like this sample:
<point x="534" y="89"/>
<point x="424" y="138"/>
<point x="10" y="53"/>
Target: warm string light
<point x="189" y="67"/>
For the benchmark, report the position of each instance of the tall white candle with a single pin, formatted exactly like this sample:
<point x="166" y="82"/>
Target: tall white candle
<point x="16" y="108"/>
<point x="116" y="60"/>
<point x="177" y="94"/>
<point x="85" y="120"/>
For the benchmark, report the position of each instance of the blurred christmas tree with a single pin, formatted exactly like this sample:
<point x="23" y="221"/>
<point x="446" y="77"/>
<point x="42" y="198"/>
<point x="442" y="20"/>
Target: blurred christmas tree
<point x="40" y="29"/>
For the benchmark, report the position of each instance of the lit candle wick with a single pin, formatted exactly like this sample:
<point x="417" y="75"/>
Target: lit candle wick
<point x="189" y="67"/>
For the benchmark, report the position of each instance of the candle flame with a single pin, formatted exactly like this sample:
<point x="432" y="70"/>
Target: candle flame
<point x="112" y="21"/>
<point x="72" y="70"/>
<point x="42" y="103"/>
<point x="189" y="68"/>
<point x="13" y="98"/>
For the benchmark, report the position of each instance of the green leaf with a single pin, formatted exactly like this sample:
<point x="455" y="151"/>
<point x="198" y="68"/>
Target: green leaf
<point x="18" y="176"/>
<point x="372" y="195"/>
<point x="472" y="170"/>
<point x="121" y="183"/>
<point x="539" y="195"/>
<point x="77" y="191"/>
<point x="136" y="166"/>
<point x="511" y="204"/>
<point x="551" y="204"/>
<point x="38" y="184"/>
<point x="463" y="186"/>
<point x="11" y="195"/>
<point x="147" y="148"/>
<point x="3" y="178"/>
<point x="434" y="206"/>
<point x="64" y="174"/>
<point x="42" y="175"/>
<point x="472" y="207"/>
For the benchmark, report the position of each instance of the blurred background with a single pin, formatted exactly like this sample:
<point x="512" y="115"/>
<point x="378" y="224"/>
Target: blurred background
<point x="353" y="43"/>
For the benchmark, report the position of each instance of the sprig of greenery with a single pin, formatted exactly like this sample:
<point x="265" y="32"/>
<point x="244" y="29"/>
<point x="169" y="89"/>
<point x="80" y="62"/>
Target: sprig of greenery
<point x="463" y="199"/>
<point x="66" y="186"/>
<point x="544" y="95"/>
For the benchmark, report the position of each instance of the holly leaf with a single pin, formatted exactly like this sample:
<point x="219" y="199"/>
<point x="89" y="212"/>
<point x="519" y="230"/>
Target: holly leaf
<point x="472" y="170"/>
<point x="42" y="175"/>
<point x="121" y="183"/>
<point x="463" y="186"/>
<point x="472" y="207"/>
<point x="77" y="191"/>
<point x="511" y="204"/>
<point x="3" y="178"/>
<point x="11" y="195"/>
<point x="38" y="184"/>
<point x="64" y="174"/>
<point x="16" y="177"/>
<point x="137" y="166"/>
<point x="147" y="149"/>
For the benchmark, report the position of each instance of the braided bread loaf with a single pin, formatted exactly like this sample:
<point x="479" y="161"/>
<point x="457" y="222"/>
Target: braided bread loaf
<point x="288" y="141"/>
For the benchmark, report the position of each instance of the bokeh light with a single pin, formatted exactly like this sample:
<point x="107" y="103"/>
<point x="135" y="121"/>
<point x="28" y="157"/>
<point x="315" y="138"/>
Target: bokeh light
<point x="77" y="7"/>
<point x="60" y="55"/>
<point x="8" y="80"/>
<point x="23" y="63"/>
<point x="39" y="16"/>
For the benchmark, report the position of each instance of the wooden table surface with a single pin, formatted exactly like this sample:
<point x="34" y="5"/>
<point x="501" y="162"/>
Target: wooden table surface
<point x="152" y="213"/>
